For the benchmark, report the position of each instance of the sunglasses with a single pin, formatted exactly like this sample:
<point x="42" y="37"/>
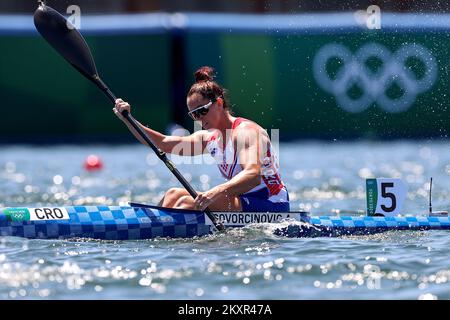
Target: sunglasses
<point x="199" y="112"/>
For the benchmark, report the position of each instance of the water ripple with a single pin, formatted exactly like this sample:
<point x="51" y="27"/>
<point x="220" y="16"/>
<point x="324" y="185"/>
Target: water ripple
<point x="247" y="263"/>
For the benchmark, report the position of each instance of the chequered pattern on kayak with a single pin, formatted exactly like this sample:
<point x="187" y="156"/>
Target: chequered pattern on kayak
<point x="381" y="222"/>
<point x="103" y="222"/>
<point x="112" y="223"/>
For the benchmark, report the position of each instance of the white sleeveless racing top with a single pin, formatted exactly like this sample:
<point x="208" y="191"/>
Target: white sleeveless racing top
<point x="228" y="162"/>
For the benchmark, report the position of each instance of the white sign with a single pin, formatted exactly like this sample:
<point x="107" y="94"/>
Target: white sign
<point x="238" y="219"/>
<point x="385" y="196"/>
<point x="36" y="214"/>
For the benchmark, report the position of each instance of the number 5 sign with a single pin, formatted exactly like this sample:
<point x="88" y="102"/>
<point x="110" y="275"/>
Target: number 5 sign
<point x="385" y="196"/>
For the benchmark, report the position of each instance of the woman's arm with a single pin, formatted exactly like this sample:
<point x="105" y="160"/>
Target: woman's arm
<point x="181" y="145"/>
<point x="247" y="142"/>
<point x="248" y="148"/>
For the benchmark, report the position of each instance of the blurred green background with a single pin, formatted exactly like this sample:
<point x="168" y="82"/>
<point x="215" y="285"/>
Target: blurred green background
<point x="265" y="61"/>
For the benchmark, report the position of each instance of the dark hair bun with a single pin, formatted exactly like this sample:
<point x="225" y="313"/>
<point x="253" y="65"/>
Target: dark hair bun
<point x="204" y="74"/>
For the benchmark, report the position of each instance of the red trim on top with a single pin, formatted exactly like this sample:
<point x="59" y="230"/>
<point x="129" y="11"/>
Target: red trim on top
<point x="274" y="188"/>
<point x="237" y="122"/>
<point x="273" y="182"/>
<point x="213" y="137"/>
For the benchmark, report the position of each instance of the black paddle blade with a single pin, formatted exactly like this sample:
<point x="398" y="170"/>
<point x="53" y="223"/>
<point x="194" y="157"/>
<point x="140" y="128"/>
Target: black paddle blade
<point x="65" y="39"/>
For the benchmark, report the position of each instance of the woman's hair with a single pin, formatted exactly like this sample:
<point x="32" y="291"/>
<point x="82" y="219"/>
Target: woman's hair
<point x="207" y="87"/>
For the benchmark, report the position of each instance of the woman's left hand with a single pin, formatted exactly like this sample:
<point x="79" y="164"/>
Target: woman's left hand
<point x="205" y="199"/>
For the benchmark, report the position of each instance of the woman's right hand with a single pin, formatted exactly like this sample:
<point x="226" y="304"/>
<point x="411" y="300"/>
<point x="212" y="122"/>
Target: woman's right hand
<point x="120" y="107"/>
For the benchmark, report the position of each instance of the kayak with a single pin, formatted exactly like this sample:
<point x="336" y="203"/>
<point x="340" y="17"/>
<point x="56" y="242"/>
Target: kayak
<point x="139" y="221"/>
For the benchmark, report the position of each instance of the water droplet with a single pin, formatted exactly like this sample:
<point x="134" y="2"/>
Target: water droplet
<point x="58" y="179"/>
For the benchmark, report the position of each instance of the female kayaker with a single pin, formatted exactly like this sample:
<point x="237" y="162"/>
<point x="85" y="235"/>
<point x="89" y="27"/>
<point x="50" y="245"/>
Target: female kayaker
<point x="241" y="148"/>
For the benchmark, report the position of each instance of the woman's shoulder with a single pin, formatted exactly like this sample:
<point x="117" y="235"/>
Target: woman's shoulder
<point x="248" y="129"/>
<point x="246" y="124"/>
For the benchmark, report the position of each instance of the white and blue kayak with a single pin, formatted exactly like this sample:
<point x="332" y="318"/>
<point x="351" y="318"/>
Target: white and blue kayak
<point x="138" y="221"/>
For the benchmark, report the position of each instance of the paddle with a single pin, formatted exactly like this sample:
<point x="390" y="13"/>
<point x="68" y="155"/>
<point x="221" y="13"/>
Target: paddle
<point x="70" y="44"/>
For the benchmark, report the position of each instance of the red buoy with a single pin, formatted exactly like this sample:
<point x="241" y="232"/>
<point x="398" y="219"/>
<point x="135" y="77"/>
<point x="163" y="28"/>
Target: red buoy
<point x="93" y="163"/>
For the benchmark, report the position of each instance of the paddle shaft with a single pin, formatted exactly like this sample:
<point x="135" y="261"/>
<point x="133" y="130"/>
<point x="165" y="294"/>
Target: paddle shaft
<point x="161" y="155"/>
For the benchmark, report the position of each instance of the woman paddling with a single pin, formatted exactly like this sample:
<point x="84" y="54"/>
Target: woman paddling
<point x="241" y="148"/>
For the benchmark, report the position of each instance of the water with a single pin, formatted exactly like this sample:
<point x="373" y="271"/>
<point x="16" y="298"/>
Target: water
<point x="248" y="263"/>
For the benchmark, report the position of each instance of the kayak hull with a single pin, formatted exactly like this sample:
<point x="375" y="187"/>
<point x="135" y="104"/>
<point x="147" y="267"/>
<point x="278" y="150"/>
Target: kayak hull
<point x="137" y="222"/>
<point x="110" y="223"/>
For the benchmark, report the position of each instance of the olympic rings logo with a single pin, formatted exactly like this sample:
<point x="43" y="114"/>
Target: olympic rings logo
<point x="375" y="84"/>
